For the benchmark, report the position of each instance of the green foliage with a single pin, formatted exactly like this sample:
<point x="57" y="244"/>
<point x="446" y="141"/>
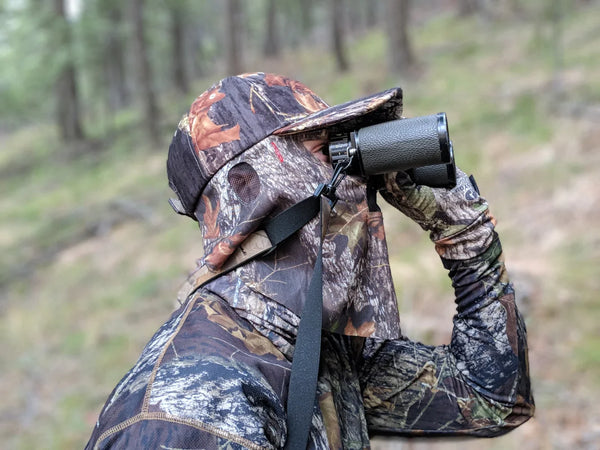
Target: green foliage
<point x="23" y="79"/>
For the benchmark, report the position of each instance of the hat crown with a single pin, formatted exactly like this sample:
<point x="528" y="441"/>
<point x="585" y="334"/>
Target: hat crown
<point x="238" y="112"/>
<point x="227" y="119"/>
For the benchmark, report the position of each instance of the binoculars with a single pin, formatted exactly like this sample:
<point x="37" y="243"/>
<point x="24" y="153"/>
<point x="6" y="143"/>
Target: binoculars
<point x="420" y="146"/>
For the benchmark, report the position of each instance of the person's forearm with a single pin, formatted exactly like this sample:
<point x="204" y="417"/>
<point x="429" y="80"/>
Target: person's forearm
<point x="477" y="385"/>
<point x="489" y="339"/>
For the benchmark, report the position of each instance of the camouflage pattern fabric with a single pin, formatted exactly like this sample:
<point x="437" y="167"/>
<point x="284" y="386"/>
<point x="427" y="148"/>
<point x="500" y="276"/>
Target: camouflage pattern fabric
<point x="211" y="379"/>
<point x="478" y="385"/>
<point x="358" y="291"/>
<point x="240" y="111"/>
<point x="206" y="379"/>
<point x="458" y="219"/>
<point x="215" y="375"/>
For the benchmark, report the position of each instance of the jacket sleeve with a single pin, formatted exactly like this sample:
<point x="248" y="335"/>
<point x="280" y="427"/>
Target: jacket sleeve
<point x="477" y="385"/>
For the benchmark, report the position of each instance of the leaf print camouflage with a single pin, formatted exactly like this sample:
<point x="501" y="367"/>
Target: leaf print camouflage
<point x="206" y="133"/>
<point x="458" y="219"/>
<point x="349" y="116"/>
<point x="240" y="111"/>
<point x="358" y="293"/>
<point x="209" y="370"/>
<point x="216" y="375"/>
<point x="303" y="95"/>
<point x="465" y="388"/>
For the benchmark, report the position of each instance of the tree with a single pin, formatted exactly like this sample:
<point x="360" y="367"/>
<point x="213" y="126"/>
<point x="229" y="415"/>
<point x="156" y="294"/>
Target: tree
<point x="363" y="15"/>
<point x="233" y="38"/>
<point x="271" y="46"/>
<point x="467" y="7"/>
<point x="145" y="90"/>
<point x="306" y="9"/>
<point x="66" y="93"/>
<point x="401" y="55"/>
<point x="338" y="35"/>
<point x="372" y="12"/>
<point x="114" y="67"/>
<point x="178" y="47"/>
<point x="195" y="41"/>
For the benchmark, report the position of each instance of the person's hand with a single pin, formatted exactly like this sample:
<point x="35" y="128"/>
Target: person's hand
<point x="458" y="219"/>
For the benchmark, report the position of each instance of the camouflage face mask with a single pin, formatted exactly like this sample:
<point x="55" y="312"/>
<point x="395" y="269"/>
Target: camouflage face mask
<point x="274" y="174"/>
<point x="263" y="181"/>
<point x="238" y="158"/>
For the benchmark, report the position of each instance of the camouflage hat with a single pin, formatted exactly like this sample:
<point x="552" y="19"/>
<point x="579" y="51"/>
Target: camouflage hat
<point x="240" y="111"/>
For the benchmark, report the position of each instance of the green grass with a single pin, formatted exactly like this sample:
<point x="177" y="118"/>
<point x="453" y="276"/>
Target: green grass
<point x="587" y="354"/>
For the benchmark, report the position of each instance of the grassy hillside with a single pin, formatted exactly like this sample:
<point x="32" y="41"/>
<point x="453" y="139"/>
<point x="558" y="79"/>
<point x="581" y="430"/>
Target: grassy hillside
<point x="92" y="255"/>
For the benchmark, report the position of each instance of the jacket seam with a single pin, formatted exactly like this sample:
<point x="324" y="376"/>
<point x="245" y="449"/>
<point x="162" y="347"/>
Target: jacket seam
<point x="162" y="354"/>
<point x="189" y="422"/>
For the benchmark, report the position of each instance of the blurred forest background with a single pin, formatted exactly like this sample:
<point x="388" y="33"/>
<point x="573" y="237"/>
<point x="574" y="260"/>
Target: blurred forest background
<point x="91" y="255"/>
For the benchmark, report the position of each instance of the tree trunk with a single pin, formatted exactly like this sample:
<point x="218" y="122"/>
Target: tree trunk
<point x="356" y="17"/>
<point x="67" y="98"/>
<point x="306" y="8"/>
<point x="557" y="19"/>
<point x="371" y="13"/>
<point x="467" y="7"/>
<point x="401" y="55"/>
<point x="180" y="78"/>
<point x="145" y="91"/>
<point x="116" y="77"/>
<point x="271" y="45"/>
<point x="234" y="37"/>
<point x="338" y="35"/>
<point x="196" y="42"/>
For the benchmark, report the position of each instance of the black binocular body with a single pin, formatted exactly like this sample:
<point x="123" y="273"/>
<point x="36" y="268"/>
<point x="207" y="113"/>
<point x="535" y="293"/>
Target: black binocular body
<point x="420" y="146"/>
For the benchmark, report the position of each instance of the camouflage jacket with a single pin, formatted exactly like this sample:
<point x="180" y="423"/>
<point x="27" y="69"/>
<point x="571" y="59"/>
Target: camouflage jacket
<point x="215" y="375"/>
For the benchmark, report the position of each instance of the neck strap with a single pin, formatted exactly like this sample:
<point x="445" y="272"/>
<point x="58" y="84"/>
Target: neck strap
<point x="259" y="243"/>
<point x="305" y="364"/>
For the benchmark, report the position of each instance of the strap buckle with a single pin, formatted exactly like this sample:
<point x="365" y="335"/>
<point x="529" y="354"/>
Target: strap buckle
<point x="328" y="189"/>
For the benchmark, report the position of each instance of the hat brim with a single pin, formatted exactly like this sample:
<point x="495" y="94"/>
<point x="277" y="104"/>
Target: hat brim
<point x="380" y="107"/>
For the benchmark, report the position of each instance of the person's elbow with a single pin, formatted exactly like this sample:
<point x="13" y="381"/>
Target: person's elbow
<point x="496" y="418"/>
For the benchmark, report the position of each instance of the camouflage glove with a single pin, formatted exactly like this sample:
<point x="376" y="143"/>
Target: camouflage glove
<point x="458" y="219"/>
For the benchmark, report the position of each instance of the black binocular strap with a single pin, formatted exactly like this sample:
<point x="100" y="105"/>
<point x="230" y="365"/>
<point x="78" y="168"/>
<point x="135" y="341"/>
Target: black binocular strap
<point x="259" y="243"/>
<point x="302" y="388"/>
<point x="305" y="364"/>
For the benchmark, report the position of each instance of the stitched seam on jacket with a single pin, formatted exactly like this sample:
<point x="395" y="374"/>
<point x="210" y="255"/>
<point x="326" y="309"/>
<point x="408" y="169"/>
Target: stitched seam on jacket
<point x="190" y="422"/>
<point x="162" y="354"/>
